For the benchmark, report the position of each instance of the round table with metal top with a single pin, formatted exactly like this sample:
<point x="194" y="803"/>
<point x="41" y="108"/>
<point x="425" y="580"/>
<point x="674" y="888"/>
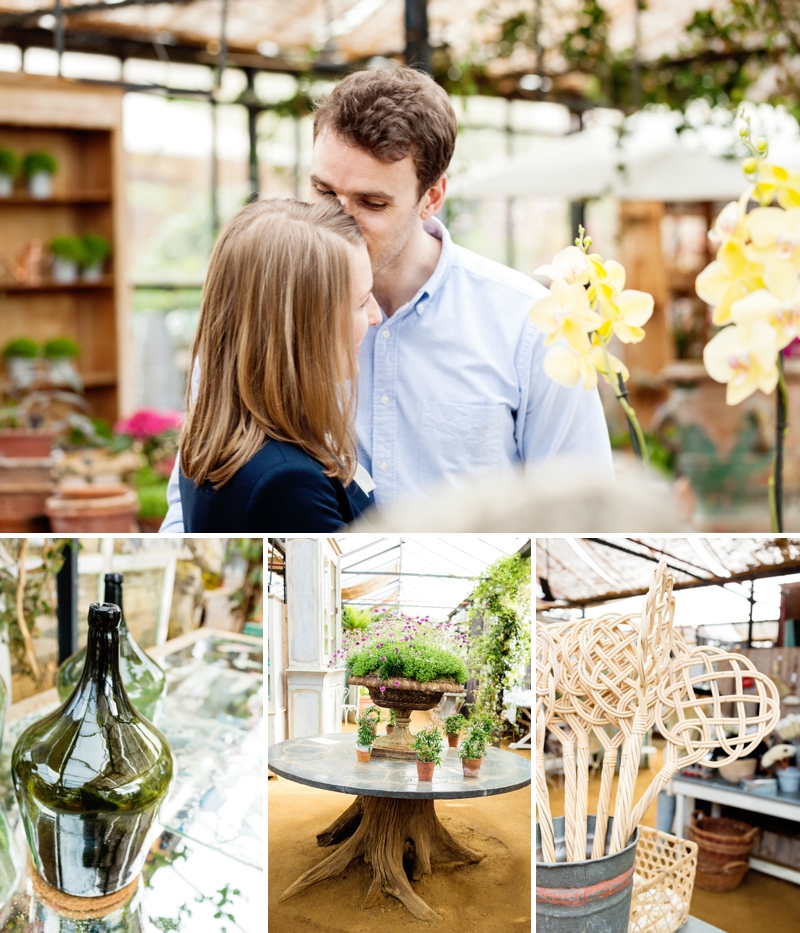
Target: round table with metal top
<point x="392" y="807"/>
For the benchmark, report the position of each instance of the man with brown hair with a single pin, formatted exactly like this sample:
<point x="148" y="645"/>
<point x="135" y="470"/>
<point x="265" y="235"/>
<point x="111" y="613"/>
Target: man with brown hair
<point x="452" y="380"/>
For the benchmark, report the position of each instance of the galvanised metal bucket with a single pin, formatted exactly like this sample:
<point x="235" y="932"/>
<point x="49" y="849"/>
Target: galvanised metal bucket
<point x="593" y="896"/>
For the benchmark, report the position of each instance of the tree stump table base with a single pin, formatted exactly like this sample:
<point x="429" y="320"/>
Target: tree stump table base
<point x="378" y="829"/>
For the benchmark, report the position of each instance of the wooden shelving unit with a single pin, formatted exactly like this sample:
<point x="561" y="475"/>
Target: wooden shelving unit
<point x="81" y="126"/>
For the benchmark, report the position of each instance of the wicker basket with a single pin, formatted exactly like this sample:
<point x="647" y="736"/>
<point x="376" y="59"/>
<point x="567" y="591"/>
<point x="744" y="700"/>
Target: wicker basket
<point x="721" y="840"/>
<point x="714" y="876"/>
<point x="662" y="882"/>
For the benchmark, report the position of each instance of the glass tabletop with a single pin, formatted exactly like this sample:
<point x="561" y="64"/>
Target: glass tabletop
<point x="205" y="871"/>
<point x="329" y="762"/>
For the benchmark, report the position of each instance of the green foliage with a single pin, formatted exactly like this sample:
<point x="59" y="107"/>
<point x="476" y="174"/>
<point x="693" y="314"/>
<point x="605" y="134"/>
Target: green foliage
<point x="355" y="619"/>
<point x="95" y="249"/>
<point x="454" y="723"/>
<point x="61" y="348"/>
<point x="67" y="247"/>
<point x="39" y="594"/>
<point x="501" y="599"/>
<point x="21" y="347"/>
<point x="392" y="717"/>
<point x="9" y="163"/>
<point x="39" y="162"/>
<point x="89" y="432"/>
<point x="662" y="458"/>
<point x="247" y="602"/>
<point x="367" y="728"/>
<point x="151" y="491"/>
<point x="475" y="741"/>
<point x="419" y="661"/>
<point x="428" y="743"/>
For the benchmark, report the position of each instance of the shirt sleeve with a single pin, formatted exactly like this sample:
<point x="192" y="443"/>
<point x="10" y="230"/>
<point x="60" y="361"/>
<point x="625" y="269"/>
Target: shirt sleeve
<point x="173" y="521"/>
<point x="557" y="421"/>
<point x="294" y="501"/>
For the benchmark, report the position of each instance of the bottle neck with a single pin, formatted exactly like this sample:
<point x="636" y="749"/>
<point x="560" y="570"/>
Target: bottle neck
<point x="102" y="661"/>
<point x="113" y="594"/>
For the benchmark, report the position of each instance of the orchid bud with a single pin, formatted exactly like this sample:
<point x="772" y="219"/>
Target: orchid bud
<point x="749" y="165"/>
<point x="760" y="143"/>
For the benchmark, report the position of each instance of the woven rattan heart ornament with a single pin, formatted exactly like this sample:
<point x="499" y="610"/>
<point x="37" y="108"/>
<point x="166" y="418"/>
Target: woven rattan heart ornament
<point x="547" y="676"/>
<point x="701" y="724"/>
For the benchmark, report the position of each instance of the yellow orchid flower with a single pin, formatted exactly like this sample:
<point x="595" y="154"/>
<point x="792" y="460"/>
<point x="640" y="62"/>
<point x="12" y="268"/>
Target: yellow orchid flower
<point x="729" y="277"/>
<point x="774" y="181"/>
<point x="565" y="314"/>
<point x="568" y="367"/>
<point x="745" y="358"/>
<point x="762" y="305"/>
<point x="731" y="222"/>
<point x="775" y="243"/>
<point x="624" y="310"/>
<point x="570" y="265"/>
<point x="598" y="358"/>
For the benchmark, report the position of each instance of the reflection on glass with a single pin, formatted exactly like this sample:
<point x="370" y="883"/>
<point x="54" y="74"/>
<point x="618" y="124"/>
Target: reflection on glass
<point x="91" y="776"/>
<point x="143" y="679"/>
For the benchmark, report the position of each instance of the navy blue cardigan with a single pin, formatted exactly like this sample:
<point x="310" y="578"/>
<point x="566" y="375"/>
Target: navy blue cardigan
<point x="280" y="489"/>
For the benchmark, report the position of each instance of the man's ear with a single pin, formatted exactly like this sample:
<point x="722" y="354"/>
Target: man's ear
<point x="433" y="199"/>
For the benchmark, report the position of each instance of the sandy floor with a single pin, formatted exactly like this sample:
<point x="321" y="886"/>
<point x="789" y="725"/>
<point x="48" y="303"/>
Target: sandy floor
<point x="760" y="903"/>
<point x="493" y="896"/>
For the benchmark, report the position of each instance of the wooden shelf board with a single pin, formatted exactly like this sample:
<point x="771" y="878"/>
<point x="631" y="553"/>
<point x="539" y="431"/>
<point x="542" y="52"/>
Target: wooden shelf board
<point x="98" y="380"/>
<point x="99" y="196"/>
<point x="48" y="285"/>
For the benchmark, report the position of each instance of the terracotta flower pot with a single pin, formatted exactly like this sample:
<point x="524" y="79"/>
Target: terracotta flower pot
<point x="471" y="766"/>
<point x="389" y="730"/>
<point x="362" y="753"/>
<point x="452" y="739"/>
<point x="26" y="442"/>
<point x="425" y="770"/>
<point x="93" y="508"/>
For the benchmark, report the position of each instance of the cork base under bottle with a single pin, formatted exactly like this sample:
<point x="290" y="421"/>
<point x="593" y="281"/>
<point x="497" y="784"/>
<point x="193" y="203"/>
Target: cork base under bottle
<point x="80" y="908"/>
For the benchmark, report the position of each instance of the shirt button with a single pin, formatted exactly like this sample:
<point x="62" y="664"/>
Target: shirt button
<point x="384" y="400"/>
<point x="384" y="465"/>
<point x="386" y="333"/>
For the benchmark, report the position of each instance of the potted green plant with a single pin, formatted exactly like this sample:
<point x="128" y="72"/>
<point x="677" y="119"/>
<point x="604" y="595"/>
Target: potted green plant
<point x="67" y="254"/>
<point x="453" y="726"/>
<point x="473" y="748"/>
<point x="428" y="744"/>
<point x="39" y="168"/>
<point x="392" y="722"/>
<point x="9" y="169"/>
<point x="96" y="249"/>
<point x="367" y="730"/>
<point x="60" y="354"/>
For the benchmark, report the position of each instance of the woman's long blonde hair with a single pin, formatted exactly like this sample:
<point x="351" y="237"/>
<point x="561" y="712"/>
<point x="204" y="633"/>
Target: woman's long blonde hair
<point x="274" y="342"/>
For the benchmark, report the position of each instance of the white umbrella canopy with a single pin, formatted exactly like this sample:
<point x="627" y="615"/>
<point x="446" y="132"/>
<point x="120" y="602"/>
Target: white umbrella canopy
<point x="652" y="162"/>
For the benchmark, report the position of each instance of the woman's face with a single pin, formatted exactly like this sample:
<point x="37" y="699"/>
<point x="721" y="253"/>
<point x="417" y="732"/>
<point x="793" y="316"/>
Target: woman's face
<point x="365" y="309"/>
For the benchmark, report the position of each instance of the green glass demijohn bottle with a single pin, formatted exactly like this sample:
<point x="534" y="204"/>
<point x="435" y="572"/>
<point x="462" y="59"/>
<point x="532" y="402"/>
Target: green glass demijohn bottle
<point x="91" y="777"/>
<point x="143" y="678"/>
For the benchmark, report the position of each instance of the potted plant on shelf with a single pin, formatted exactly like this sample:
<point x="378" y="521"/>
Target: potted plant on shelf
<point x="9" y="169"/>
<point x="367" y="730"/>
<point x="96" y="249"/>
<point x="39" y="168"/>
<point x="473" y="749"/>
<point x="392" y="721"/>
<point x="453" y="726"/>
<point x="428" y="744"/>
<point x="67" y="254"/>
<point x="406" y="664"/>
<point x="60" y="354"/>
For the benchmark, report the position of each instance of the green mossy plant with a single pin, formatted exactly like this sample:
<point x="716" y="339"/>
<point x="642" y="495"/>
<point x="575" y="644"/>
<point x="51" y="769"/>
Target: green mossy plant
<point x="35" y="162"/>
<point x="9" y="163"/>
<point x="68" y="248"/>
<point x="95" y="250"/>
<point x="21" y="347"/>
<point x="61" y="348"/>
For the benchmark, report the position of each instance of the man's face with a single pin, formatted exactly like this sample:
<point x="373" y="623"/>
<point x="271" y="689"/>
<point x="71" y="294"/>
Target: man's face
<point x="382" y="197"/>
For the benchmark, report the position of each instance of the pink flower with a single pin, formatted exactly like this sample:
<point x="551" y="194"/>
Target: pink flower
<point x="383" y="659"/>
<point x="147" y="422"/>
<point x="397" y="683"/>
<point x="383" y="689"/>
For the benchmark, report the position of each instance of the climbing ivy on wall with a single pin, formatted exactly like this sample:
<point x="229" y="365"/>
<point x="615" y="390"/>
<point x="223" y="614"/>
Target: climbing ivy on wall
<point x="502" y="600"/>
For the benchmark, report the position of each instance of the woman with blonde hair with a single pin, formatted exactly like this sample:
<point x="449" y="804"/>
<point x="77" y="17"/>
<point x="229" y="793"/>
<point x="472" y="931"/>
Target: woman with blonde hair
<point x="268" y="441"/>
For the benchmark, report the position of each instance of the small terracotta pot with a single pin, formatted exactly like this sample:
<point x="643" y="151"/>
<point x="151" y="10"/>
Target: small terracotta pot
<point x="471" y="766"/>
<point x="389" y="730"/>
<point x="425" y="770"/>
<point x="363" y="754"/>
<point x="26" y="442"/>
<point x="452" y="739"/>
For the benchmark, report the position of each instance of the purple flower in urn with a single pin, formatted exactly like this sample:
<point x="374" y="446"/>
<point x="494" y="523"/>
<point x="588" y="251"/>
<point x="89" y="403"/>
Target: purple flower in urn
<point x="383" y="689"/>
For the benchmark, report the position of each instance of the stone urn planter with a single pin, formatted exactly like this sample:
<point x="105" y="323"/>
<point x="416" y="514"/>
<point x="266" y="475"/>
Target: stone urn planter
<point x="402" y="695"/>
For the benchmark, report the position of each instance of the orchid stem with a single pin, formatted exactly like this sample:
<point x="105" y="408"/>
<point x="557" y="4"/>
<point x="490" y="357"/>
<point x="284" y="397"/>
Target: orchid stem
<point x="621" y="394"/>
<point x="781" y="430"/>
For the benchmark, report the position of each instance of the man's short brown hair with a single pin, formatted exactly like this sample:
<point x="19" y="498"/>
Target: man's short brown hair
<point x="391" y="114"/>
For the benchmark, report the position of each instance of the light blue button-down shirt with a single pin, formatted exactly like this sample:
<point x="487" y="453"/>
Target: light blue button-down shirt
<point x="453" y="384"/>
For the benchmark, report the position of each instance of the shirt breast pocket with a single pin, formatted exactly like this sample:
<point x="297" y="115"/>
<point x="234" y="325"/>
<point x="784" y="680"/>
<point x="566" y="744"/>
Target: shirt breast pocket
<point x="459" y="440"/>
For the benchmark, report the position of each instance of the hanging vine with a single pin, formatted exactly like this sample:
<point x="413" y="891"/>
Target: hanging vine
<point x="502" y="600"/>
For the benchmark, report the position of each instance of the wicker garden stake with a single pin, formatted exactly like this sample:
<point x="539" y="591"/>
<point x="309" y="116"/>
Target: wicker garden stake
<point x="546" y="684"/>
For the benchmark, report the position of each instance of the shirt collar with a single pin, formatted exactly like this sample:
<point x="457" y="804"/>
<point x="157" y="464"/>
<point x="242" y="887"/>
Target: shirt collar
<point x="420" y="301"/>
